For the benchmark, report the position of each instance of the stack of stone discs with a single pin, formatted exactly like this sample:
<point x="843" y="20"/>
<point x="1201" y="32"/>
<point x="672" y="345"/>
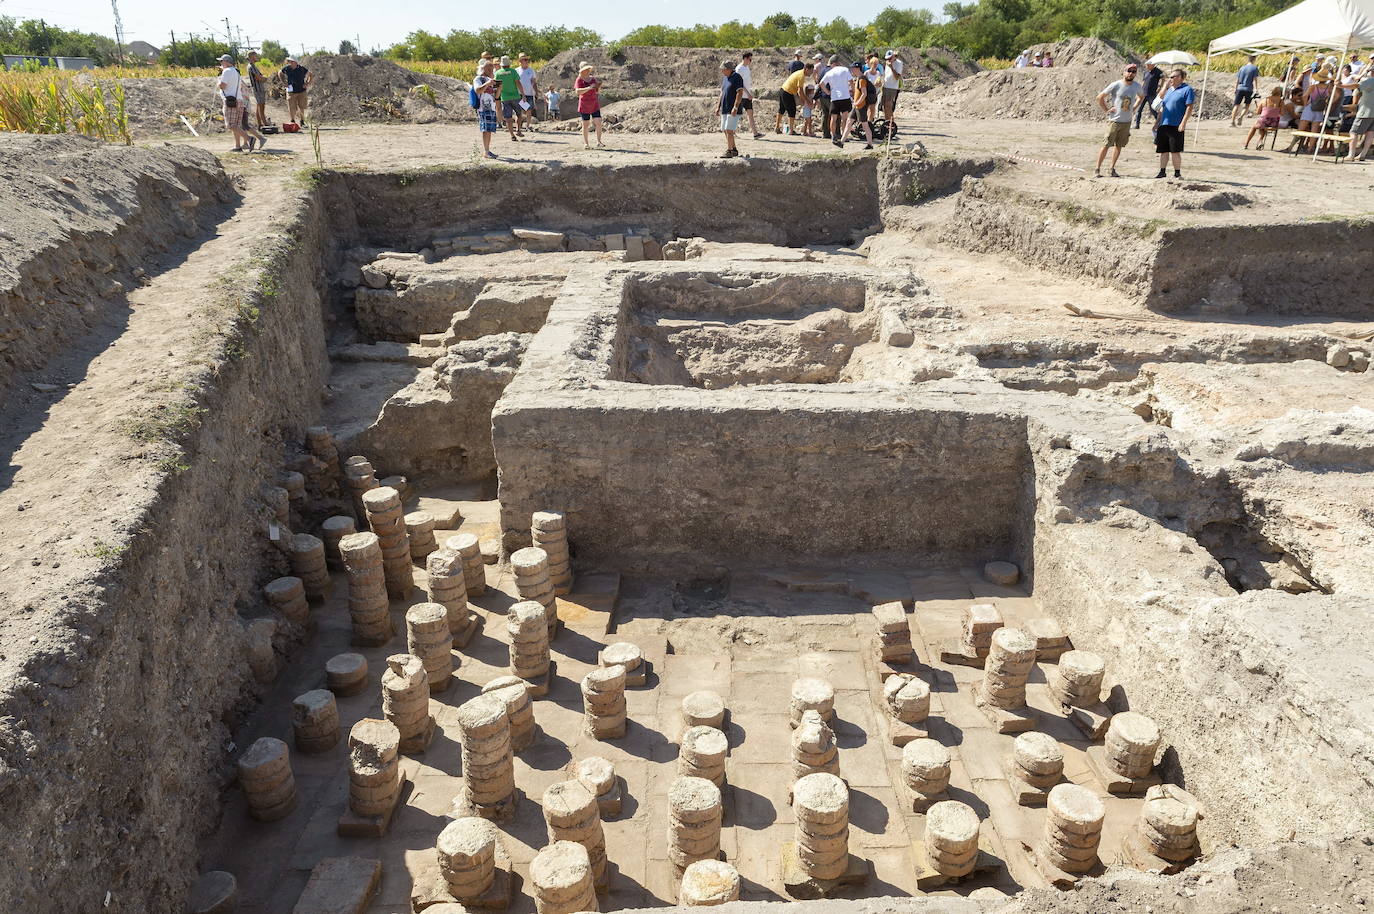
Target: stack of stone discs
<point x="268" y="784"/>
<point x="384" y="516"/>
<point x="702" y="754"/>
<point x="447" y="587"/>
<point x="925" y="768"/>
<point x="287" y="596"/>
<point x="321" y="443"/>
<point x="315" y="720"/>
<point x="488" y="764"/>
<point x="704" y="709"/>
<point x="907" y="698"/>
<point x="332" y="531"/>
<point x="467" y="857"/>
<point x="603" y="702"/>
<point x="307" y="563"/>
<point x="813" y="747"/>
<point x="1073" y="828"/>
<point x="374" y="766"/>
<point x="707" y="883"/>
<point x="1050" y="640"/>
<point x="294" y="484"/>
<point x="623" y="653"/>
<point x="549" y="531"/>
<point x="368" y="606"/>
<point x="1131" y="742"/>
<point x="1168" y="823"/>
<point x="474" y="567"/>
<point x="812" y="695"/>
<point x="1037" y="760"/>
<point x="532" y="581"/>
<point x="894" y="632"/>
<point x="400" y="484"/>
<point x="529" y="640"/>
<point x="515" y="693"/>
<point x="562" y="878"/>
<point x="598" y="775"/>
<point x="278" y="500"/>
<point x="1011" y="654"/>
<point x="980" y="621"/>
<point x="1076" y="681"/>
<point x="572" y="814"/>
<point x="420" y="530"/>
<point x="405" y="700"/>
<point x="951" y="840"/>
<point x="361" y="478"/>
<point x="428" y="637"/>
<point x="346" y="674"/>
<point x="694" y="816"/>
<point x="820" y="803"/>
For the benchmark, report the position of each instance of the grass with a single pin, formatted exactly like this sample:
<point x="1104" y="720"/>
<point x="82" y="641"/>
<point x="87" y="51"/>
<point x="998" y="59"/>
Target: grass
<point x="54" y="101"/>
<point x="1271" y="65"/>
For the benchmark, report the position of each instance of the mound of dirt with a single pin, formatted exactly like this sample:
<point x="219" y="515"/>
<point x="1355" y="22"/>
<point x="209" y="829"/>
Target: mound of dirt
<point x="636" y="71"/>
<point x="354" y="87"/>
<point x="1086" y="52"/>
<point x="672" y="114"/>
<point x="153" y="104"/>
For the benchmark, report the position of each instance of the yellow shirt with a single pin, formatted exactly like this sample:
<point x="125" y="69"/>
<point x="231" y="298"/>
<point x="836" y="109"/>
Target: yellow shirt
<point x="793" y="83"/>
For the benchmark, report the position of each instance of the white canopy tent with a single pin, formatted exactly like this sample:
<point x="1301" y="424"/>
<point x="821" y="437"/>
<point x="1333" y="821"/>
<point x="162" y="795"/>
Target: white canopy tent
<point x="1336" y="25"/>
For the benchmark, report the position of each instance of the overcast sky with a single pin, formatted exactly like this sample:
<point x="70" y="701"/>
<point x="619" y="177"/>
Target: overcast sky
<point x="322" y="24"/>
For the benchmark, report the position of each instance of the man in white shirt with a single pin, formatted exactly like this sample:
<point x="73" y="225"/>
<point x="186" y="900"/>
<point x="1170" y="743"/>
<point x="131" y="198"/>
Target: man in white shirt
<point x="747" y="104"/>
<point x="529" y="88"/>
<point x="836" y="82"/>
<point x="892" y="87"/>
<point x="231" y="91"/>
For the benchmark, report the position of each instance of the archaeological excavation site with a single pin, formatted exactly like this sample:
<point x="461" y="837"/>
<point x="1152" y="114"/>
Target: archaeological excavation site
<point x="590" y="537"/>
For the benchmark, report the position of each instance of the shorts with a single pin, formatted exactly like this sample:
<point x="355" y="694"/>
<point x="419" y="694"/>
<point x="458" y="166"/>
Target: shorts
<point x="787" y="104"/>
<point x="1362" y="125"/>
<point x="806" y="113"/>
<point x="863" y="115"/>
<point x="588" y="115"/>
<point x="510" y="109"/>
<point x="486" y="120"/>
<point x="529" y="100"/>
<point x="890" y="97"/>
<point x="746" y="104"/>
<point x="1244" y="96"/>
<point x="553" y="114"/>
<point x="729" y="122"/>
<point x="260" y="94"/>
<point x="1310" y="115"/>
<point x="1168" y="138"/>
<point x="841" y="105"/>
<point x="1118" y="134"/>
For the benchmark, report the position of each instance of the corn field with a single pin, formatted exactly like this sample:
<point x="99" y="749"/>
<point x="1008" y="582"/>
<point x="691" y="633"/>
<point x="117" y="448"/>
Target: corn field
<point x="454" y="69"/>
<point x="55" y="102"/>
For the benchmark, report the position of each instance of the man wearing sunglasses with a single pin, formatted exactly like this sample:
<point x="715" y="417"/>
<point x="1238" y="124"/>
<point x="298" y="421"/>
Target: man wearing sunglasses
<point x="1119" y="101"/>
<point x="1176" y="102"/>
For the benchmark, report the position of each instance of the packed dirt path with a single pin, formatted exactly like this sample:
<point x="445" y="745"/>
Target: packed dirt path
<point x="81" y="458"/>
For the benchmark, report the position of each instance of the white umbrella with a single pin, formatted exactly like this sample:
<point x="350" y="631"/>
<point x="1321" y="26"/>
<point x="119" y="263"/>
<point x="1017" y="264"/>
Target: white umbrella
<point x="1174" y="59"/>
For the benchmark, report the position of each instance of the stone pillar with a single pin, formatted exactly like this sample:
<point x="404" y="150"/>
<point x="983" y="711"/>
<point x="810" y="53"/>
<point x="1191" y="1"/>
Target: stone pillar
<point x="529" y="645"/>
<point x="623" y="653"/>
<point x="571" y="814"/>
<point x="1166" y="831"/>
<point x="694" y="816"/>
<point x="925" y="771"/>
<point x="561" y="876"/>
<point x="294" y="484"/>
<point x="360" y="477"/>
<point x="532" y="582"/>
<point x="549" y="532"/>
<point x="320" y="442"/>
<point x="598" y="775"/>
<point x="980" y="621"/>
<point x="448" y="588"/>
<point x="894" y="633"/>
<point x="515" y="693"/>
<point x="400" y="484"/>
<point x="331" y="531"/>
<point x="374" y="768"/>
<point x="810" y="694"/>
<point x="820" y="803"/>
<point x="427" y="637"/>
<point x="307" y="563"/>
<point x="346" y="674"/>
<point x="702" y="754"/>
<point x="1076" y="680"/>
<point x="1002" y="693"/>
<point x="907" y="698"/>
<point x="813" y="747"/>
<point x="383" y="506"/>
<point x="315" y="721"/>
<point x="1073" y="829"/>
<point x="1131" y="744"/>
<point x="268" y="784"/>
<point x="405" y="701"/>
<point x="278" y="500"/>
<point x="704" y="709"/>
<point x="707" y="883"/>
<point x="488" y="763"/>
<point x="1036" y="764"/>
<point x="603" y="700"/>
<point x="951" y="839"/>
<point x="420" y="531"/>
<point x="474" y="567"/>
<point x="467" y="857"/>
<point x="368" y="605"/>
<point x="1050" y="640"/>
<point x="287" y="597"/>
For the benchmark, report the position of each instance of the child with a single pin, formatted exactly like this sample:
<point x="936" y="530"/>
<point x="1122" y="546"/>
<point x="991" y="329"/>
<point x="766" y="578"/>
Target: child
<point x="808" y="98"/>
<point x="553" y="98"/>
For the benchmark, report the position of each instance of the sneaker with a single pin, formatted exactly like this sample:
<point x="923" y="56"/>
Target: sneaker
<point x="1097" y="174"/>
<point x="492" y="155"/>
<point x="1114" y="174"/>
<point x="1161" y="173"/>
<point x="868" y="145"/>
<point x="758" y="136"/>
<point x="1176" y="173"/>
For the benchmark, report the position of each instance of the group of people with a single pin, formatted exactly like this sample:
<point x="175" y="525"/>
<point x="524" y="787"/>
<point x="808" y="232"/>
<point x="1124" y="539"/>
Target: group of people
<point x="1171" y="99"/>
<point x="507" y="96"/>
<point x="847" y="97"/>
<point x="1324" y="97"/>
<point x="1040" y="59"/>
<point x="234" y="86"/>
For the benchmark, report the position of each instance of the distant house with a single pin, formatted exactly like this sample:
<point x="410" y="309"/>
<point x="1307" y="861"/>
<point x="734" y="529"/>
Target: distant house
<point x="142" y="50"/>
<point x="61" y="63"/>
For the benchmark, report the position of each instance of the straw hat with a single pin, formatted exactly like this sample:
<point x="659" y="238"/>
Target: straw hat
<point x="584" y="67"/>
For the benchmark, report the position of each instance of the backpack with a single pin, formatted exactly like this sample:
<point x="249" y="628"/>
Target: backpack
<point x="473" y="100"/>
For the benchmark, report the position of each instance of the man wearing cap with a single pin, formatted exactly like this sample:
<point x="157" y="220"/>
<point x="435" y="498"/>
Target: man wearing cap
<point x="1245" y="91"/>
<point x="822" y="94"/>
<point x="510" y="97"/>
<point x="259" y="84"/>
<point x="747" y="103"/>
<point x="1124" y="95"/>
<point x="892" y="87"/>
<point x="731" y="94"/>
<point x="231" y="90"/>
<point x="797" y="62"/>
<point x="837" y="83"/>
<point x="298" y="82"/>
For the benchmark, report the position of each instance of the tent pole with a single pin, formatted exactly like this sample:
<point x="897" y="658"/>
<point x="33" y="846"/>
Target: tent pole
<point x="1331" y="99"/>
<point x="1197" y="115"/>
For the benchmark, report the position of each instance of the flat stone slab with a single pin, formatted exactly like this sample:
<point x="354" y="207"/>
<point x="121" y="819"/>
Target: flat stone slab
<point x="496" y="898"/>
<point x="1115" y="784"/>
<point x="928" y="879"/>
<point x="954" y="653"/>
<point x="352" y="825"/>
<point x="1091" y="721"/>
<point x="591" y="604"/>
<point x="1015" y="720"/>
<point x="1136" y="852"/>
<point x="1058" y="878"/>
<point x="801" y="886"/>
<point x="899" y="733"/>
<point x="1024" y="793"/>
<point x="464" y="634"/>
<point x="496" y="812"/>
<point x="340" y="885"/>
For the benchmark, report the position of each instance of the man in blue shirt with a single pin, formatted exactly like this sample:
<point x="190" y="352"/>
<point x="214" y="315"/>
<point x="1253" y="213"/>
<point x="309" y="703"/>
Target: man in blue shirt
<point x="1176" y="101"/>
<point x="1245" y="91"/>
<point x="731" y="96"/>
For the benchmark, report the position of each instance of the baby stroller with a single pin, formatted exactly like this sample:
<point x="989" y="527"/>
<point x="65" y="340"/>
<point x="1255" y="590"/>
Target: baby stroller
<point x="881" y="129"/>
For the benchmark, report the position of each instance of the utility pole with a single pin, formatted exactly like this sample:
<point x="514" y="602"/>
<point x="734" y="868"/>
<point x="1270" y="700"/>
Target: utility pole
<point x="229" y="37"/>
<point x="176" y="59"/>
<point x="119" y="32"/>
